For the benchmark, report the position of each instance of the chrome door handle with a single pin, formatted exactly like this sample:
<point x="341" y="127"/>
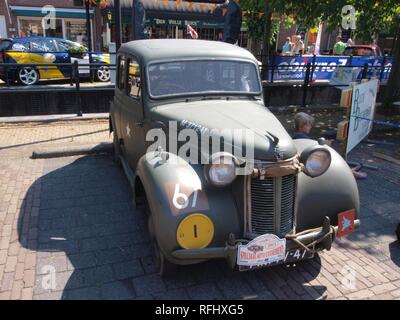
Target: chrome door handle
<point x="139" y="124"/>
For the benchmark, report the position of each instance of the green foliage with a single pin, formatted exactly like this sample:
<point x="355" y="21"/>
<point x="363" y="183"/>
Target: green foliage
<point x="373" y="16"/>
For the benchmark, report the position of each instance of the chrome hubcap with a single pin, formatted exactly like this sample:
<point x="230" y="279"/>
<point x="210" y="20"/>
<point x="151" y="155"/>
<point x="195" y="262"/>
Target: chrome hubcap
<point x="28" y="76"/>
<point x="103" y="73"/>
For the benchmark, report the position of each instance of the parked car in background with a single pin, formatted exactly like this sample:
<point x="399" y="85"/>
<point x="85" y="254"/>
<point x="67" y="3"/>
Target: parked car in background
<point x="48" y="51"/>
<point x="363" y="51"/>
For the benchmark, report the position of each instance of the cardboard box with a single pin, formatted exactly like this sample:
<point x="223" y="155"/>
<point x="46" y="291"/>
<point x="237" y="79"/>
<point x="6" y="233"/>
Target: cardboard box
<point x="345" y="99"/>
<point x="342" y="130"/>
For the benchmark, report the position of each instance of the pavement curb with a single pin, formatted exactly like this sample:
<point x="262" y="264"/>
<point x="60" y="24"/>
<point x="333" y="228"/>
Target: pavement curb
<point x="102" y="148"/>
<point x="54" y="118"/>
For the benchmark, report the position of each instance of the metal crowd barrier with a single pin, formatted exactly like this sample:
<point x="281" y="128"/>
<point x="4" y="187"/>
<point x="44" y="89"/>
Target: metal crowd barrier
<point x="74" y="77"/>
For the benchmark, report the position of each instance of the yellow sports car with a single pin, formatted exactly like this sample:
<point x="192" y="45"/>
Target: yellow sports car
<point x="47" y="51"/>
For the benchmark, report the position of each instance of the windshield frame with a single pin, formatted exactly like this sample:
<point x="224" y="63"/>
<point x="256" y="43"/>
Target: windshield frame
<point x="204" y="93"/>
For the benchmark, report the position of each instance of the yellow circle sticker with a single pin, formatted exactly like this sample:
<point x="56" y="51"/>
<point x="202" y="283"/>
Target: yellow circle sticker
<point x="195" y="231"/>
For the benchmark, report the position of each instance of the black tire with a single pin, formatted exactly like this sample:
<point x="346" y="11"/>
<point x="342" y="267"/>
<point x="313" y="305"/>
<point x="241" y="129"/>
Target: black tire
<point x="28" y="76"/>
<point x="164" y="268"/>
<point x="103" y="74"/>
<point x="117" y="149"/>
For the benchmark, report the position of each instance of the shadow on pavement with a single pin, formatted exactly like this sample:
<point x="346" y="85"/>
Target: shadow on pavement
<point x="90" y="244"/>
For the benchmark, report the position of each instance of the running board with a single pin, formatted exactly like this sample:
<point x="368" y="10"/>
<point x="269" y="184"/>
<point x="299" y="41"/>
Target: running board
<point x="130" y="176"/>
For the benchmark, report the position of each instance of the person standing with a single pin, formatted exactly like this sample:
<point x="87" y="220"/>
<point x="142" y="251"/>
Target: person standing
<point x="232" y="14"/>
<point x="349" y="42"/>
<point x="287" y="47"/>
<point x="339" y="46"/>
<point x="298" y="47"/>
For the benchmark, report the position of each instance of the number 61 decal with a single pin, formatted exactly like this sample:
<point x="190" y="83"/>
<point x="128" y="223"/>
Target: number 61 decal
<point x="185" y="199"/>
<point x="179" y="195"/>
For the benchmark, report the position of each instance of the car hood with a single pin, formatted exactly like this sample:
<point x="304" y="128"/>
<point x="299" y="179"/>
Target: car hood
<point x="270" y="139"/>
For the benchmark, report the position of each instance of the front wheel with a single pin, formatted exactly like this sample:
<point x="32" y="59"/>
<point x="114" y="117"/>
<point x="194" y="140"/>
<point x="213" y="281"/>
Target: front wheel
<point x="164" y="268"/>
<point x="28" y="76"/>
<point x="103" y="74"/>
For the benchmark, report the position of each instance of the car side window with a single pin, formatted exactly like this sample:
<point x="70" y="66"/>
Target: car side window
<point x="134" y="79"/>
<point x="63" y="46"/>
<point x="121" y="72"/>
<point x="43" y="46"/>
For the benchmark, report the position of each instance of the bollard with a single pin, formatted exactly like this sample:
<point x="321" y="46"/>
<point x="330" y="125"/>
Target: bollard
<point x="6" y="74"/>
<point x="78" y="89"/>
<point x="364" y="71"/>
<point x="313" y="67"/>
<point x="273" y="68"/>
<point x="306" y="84"/>
<point x="383" y="67"/>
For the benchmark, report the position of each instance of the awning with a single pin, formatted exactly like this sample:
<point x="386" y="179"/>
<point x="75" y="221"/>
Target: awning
<point x="173" y="10"/>
<point x="42" y="12"/>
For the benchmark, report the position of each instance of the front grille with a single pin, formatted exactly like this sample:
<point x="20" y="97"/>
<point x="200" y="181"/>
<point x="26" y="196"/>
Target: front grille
<point x="271" y="205"/>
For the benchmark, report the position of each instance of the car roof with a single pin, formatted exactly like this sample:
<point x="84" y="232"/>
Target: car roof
<point x="366" y="46"/>
<point x="175" y="49"/>
<point x="27" y="39"/>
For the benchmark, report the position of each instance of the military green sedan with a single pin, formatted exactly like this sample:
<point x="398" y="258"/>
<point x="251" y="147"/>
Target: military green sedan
<point x="215" y="172"/>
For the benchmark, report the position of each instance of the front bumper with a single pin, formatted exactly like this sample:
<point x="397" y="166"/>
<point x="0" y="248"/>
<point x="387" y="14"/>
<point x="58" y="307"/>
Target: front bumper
<point x="315" y="239"/>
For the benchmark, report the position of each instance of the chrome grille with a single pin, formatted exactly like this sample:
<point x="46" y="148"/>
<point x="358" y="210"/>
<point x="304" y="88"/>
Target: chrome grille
<point x="271" y="205"/>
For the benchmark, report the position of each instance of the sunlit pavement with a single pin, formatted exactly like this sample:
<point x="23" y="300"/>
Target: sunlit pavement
<point x="72" y="218"/>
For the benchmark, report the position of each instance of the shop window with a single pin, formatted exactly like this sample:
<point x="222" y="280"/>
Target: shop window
<point x="76" y="31"/>
<point x="121" y="72"/>
<point x="134" y="84"/>
<point x="30" y="28"/>
<point x="57" y="32"/>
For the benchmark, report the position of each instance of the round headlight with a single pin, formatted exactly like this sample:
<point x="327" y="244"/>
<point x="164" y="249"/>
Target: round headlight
<point x="221" y="171"/>
<point x="317" y="162"/>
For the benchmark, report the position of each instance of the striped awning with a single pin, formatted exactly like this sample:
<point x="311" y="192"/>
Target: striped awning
<point x="25" y="11"/>
<point x="202" y="6"/>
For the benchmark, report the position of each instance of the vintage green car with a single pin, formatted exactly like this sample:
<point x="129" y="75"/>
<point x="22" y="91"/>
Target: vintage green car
<point x="181" y="111"/>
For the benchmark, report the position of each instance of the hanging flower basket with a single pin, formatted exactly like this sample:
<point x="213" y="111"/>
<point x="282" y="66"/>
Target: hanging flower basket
<point x="102" y="4"/>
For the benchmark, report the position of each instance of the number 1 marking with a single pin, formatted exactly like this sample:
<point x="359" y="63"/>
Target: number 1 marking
<point x="195" y="230"/>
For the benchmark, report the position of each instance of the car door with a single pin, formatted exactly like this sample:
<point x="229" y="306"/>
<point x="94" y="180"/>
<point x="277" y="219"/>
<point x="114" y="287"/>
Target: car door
<point x="65" y="47"/>
<point x="63" y="56"/>
<point x="132" y="113"/>
<point x="46" y="51"/>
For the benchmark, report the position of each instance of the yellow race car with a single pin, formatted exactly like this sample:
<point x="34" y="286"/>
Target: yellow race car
<point x="48" y="51"/>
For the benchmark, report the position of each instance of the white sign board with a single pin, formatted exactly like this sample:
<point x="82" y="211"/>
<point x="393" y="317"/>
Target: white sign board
<point x="362" y="112"/>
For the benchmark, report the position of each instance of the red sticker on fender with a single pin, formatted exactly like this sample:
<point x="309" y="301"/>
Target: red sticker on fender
<point x="345" y="223"/>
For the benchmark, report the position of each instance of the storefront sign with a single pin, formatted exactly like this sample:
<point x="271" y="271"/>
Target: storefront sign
<point x="184" y="23"/>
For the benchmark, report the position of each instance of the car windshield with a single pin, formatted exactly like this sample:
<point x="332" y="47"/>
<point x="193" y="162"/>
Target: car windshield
<point x="197" y="77"/>
<point x="66" y="45"/>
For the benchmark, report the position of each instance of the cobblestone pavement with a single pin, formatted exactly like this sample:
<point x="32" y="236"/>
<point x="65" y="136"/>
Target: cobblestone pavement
<point x="73" y="216"/>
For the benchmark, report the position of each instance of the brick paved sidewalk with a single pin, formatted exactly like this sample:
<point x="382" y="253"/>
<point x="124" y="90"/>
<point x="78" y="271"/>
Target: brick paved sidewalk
<point x="72" y="218"/>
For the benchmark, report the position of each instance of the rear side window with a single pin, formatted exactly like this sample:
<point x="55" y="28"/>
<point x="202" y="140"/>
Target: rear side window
<point x="4" y="44"/>
<point x="133" y="78"/>
<point x="21" y="47"/>
<point x="121" y="72"/>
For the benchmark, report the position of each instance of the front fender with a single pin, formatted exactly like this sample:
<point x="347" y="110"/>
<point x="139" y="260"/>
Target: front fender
<point x="162" y="180"/>
<point x="327" y="195"/>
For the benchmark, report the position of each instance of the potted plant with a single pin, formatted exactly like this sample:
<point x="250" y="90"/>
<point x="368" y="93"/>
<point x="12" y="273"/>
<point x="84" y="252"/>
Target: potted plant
<point x="77" y="52"/>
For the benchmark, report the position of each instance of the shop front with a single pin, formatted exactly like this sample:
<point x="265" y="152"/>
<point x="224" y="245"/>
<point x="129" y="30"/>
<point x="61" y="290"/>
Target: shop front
<point x="62" y="23"/>
<point x="169" y="19"/>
